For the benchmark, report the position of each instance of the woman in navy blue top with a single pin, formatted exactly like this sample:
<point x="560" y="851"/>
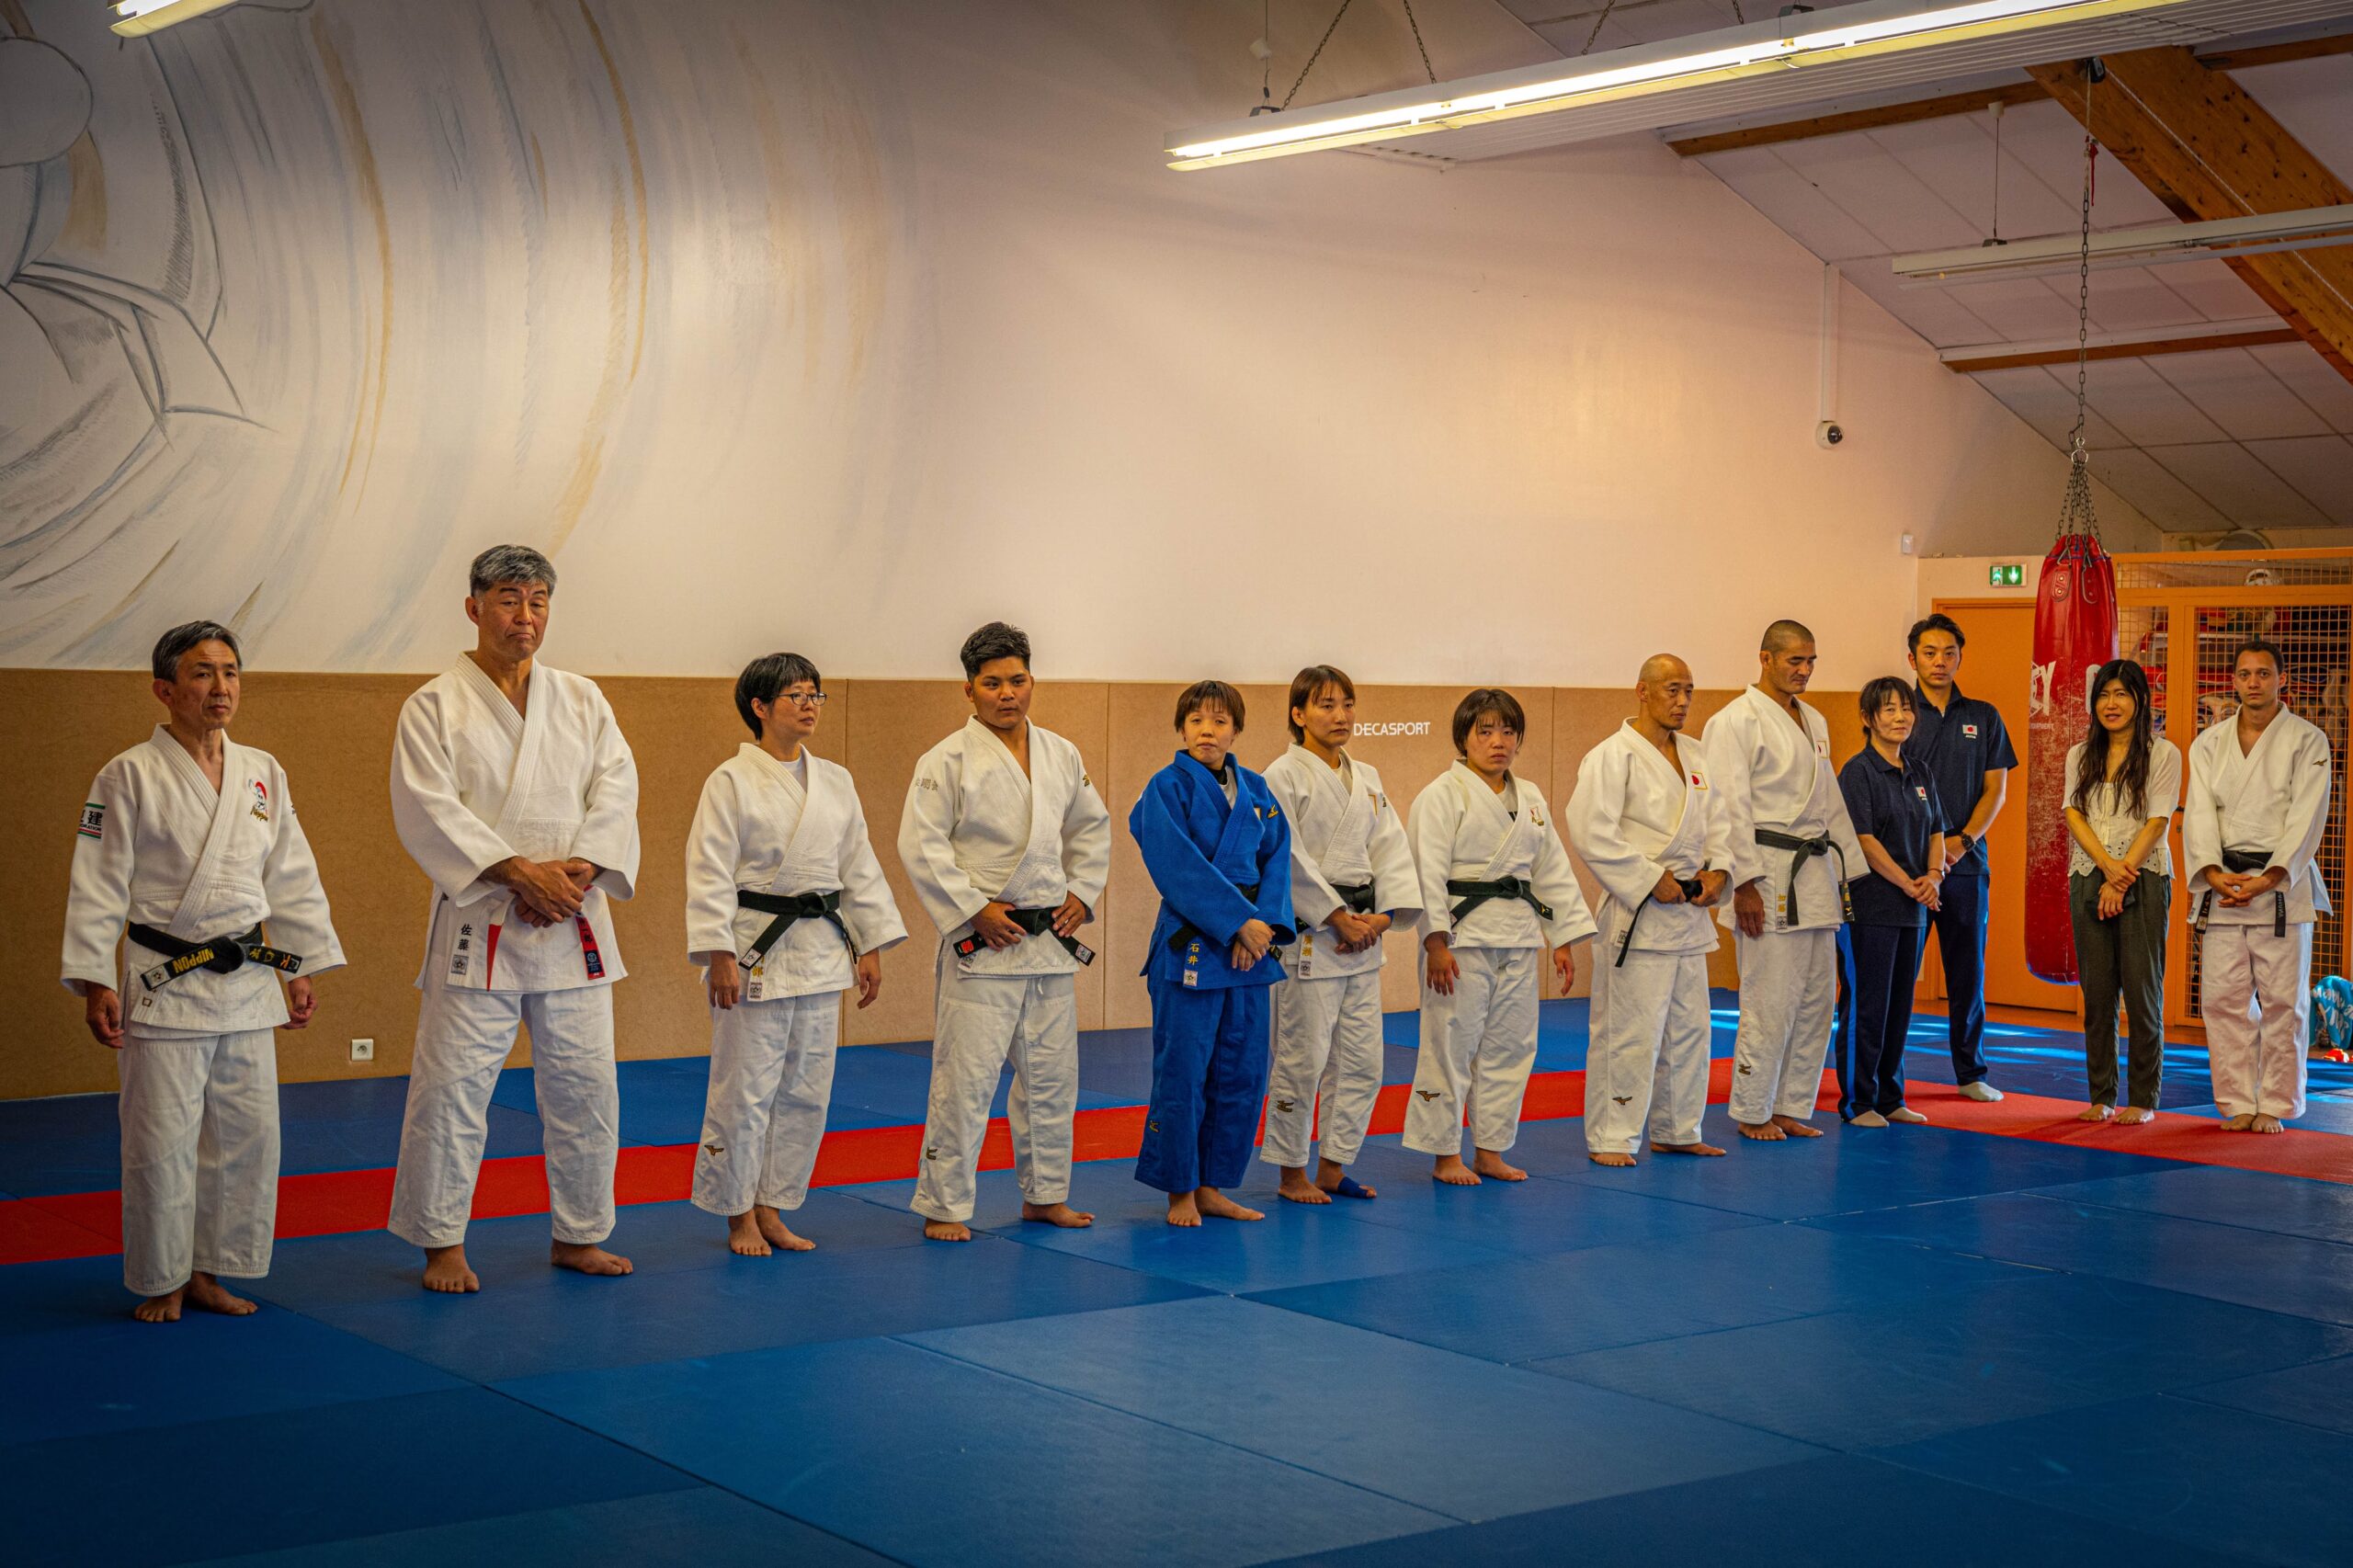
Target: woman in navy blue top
<point x="1900" y="822"/>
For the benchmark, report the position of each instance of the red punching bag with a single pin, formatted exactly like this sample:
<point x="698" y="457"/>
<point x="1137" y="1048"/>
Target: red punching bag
<point x="2074" y="634"/>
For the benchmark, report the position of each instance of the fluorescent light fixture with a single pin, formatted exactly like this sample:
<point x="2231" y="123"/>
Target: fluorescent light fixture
<point x="1848" y="32"/>
<point x="2159" y="243"/>
<point x="135" y="19"/>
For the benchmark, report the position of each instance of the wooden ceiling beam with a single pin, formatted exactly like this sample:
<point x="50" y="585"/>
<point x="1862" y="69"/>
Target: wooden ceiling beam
<point x="1948" y="105"/>
<point x="2204" y="147"/>
<point x="1995" y="358"/>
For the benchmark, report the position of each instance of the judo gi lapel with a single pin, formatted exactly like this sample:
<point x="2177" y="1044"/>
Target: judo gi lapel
<point x="1335" y="804"/>
<point x="982" y="750"/>
<point x="781" y="773"/>
<point x="1515" y="836"/>
<point x="2247" y="786"/>
<point x="527" y="731"/>
<point x="1688" y="841"/>
<point x="1233" y="828"/>
<point x="235" y="798"/>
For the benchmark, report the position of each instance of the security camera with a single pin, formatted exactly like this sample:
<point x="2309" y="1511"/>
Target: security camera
<point x="1828" y="434"/>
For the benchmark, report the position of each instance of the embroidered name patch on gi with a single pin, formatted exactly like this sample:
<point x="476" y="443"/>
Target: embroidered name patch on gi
<point x="94" y="820"/>
<point x="261" y="801"/>
<point x="1921" y="790"/>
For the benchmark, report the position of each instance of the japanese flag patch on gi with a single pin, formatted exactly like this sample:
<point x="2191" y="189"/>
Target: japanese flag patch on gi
<point x="94" y="820"/>
<point x="1970" y="731"/>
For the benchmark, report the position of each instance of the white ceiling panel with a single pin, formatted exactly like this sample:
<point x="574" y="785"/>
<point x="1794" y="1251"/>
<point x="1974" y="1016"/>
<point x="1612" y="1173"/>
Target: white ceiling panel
<point x="2303" y="371"/>
<point x="1880" y="193"/>
<point x="2214" y="290"/>
<point x="1793" y="203"/>
<point x="2023" y="310"/>
<point x="2163" y="499"/>
<point x="2309" y="97"/>
<point x="2133" y="299"/>
<point x="2047" y="140"/>
<point x="2144" y="406"/>
<point x="2038" y="396"/>
<point x="2248" y="494"/>
<point x="2230" y="387"/>
<point x="1935" y="314"/>
<point x="2320" y="468"/>
<point x="1955" y="156"/>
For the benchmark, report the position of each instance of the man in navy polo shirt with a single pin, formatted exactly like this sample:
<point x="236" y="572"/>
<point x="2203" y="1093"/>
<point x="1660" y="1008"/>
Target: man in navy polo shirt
<point x="1963" y="744"/>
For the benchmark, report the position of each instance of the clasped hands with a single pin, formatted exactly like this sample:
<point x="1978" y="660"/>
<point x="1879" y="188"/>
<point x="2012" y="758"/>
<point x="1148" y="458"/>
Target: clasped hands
<point x="1356" y="932"/>
<point x="2240" y="889"/>
<point x="994" y="924"/>
<point x="547" y="893"/>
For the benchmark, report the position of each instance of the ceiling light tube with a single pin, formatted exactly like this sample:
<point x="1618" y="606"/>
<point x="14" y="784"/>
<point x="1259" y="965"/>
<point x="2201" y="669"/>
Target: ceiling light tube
<point x="2154" y="244"/>
<point x="135" y="18"/>
<point x="1849" y="32"/>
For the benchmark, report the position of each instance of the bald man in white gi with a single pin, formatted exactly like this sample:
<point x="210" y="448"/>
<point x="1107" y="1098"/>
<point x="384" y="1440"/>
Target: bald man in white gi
<point x="2251" y="828"/>
<point x="1794" y="848"/>
<point x="188" y="847"/>
<point x="513" y="790"/>
<point x="1646" y="818"/>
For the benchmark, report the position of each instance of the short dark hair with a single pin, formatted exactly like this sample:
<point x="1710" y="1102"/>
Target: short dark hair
<point x="1876" y="692"/>
<point x="502" y="563"/>
<point x="180" y="639"/>
<point x="1479" y="704"/>
<point x="2260" y="645"/>
<point x="1306" y="684"/>
<point x="1781" y="633"/>
<point x="767" y="676"/>
<point x="1939" y="622"/>
<point x="1202" y="694"/>
<point x="994" y="642"/>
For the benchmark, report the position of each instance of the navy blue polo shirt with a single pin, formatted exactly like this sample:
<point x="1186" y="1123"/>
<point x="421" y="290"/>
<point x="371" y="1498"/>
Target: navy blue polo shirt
<point x="1960" y="747"/>
<point x="1898" y="806"/>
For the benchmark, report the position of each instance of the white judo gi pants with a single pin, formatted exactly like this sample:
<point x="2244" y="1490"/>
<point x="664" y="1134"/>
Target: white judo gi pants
<point x="980" y="1022"/>
<point x="1789" y="988"/>
<point x="200" y="1157"/>
<point x="1648" y="1057"/>
<point x="1477" y="1048"/>
<point x="2255" y="994"/>
<point x="463" y="1038"/>
<point x="1327" y="1042"/>
<point x="771" y="1076"/>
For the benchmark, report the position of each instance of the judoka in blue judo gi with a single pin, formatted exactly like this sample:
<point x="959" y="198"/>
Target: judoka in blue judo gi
<point x="1218" y="847"/>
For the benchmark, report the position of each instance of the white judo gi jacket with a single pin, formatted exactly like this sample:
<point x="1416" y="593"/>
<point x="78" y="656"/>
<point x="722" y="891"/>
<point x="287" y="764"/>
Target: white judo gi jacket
<point x="474" y="782"/>
<point x="158" y="846"/>
<point x="757" y="828"/>
<point x="1635" y="817"/>
<point x="1465" y="832"/>
<point x="1344" y="833"/>
<point x="2272" y="800"/>
<point x="1768" y="775"/>
<point x="977" y="830"/>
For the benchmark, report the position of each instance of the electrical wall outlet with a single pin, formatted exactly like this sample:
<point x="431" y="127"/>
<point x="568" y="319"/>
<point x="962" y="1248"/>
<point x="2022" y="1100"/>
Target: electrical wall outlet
<point x="1903" y="544"/>
<point x="363" y="1051"/>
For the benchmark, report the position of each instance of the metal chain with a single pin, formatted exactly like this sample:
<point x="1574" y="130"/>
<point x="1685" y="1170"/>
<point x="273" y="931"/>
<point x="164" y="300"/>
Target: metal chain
<point x="1427" y="66"/>
<point x="1598" y="23"/>
<point x="2075" y="509"/>
<point x="1318" y="54"/>
<point x="1738" y="15"/>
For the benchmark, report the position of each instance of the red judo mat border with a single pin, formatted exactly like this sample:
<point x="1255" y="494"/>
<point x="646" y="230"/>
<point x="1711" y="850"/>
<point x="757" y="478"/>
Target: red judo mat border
<point x="89" y="1224"/>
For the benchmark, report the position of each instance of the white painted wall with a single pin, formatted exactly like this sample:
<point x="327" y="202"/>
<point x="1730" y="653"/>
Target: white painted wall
<point x="844" y="327"/>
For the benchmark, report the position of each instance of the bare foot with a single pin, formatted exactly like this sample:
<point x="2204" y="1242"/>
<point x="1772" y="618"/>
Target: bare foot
<point x="2097" y="1113"/>
<point x="1061" y="1215"/>
<point x="1218" y="1206"/>
<point x="587" y="1257"/>
<point x="744" y="1238"/>
<point x="1907" y="1116"/>
<point x="1488" y="1163"/>
<point x="778" y="1233"/>
<point x="2263" y="1123"/>
<point x="2134" y="1115"/>
<point x="2237" y="1124"/>
<point x="1451" y="1170"/>
<point x="947" y="1231"/>
<point x="1296" y="1189"/>
<point x="207" y="1294"/>
<point x="445" y="1271"/>
<point x="1612" y="1157"/>
<point x="1707" y="1150"/>
<point x="1796" y="1127"/>
<point x="1330" y="1174"/>
<point x="164" y="1308"/>
<point x="1761" y="1131"/>
<point x="1183" y="1211"/>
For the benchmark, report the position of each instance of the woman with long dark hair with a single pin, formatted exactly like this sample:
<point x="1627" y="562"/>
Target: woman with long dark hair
<point x="2123" y="782"/>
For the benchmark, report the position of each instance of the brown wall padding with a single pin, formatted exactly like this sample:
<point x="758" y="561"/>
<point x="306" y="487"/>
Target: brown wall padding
<point x="333" y="734"/>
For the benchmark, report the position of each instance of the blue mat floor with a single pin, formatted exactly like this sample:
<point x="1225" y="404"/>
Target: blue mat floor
<point x="1911" y="1344"/>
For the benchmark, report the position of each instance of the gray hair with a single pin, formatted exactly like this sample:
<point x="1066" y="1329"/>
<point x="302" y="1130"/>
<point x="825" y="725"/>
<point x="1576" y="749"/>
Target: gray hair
<point x="165" y="661"/>
<point x="509" y="563"/>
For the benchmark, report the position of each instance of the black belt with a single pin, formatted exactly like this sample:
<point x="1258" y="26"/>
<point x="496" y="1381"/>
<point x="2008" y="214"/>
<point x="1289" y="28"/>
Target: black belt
<point x="2246" y="862"/>
<point x="221" y="955"/>
<point x="1186" y="933"/>
<point x="1355" y="900"/>
<point x="1474" y="894"/>
<point x="788" y="908"/>
<point x="1031" y="922"/>
<point x="1807" y="848"/>
<point x="1692" y="888"/>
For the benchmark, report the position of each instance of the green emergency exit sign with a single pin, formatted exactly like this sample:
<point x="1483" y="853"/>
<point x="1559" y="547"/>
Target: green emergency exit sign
<point x="2007" y="577"/>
